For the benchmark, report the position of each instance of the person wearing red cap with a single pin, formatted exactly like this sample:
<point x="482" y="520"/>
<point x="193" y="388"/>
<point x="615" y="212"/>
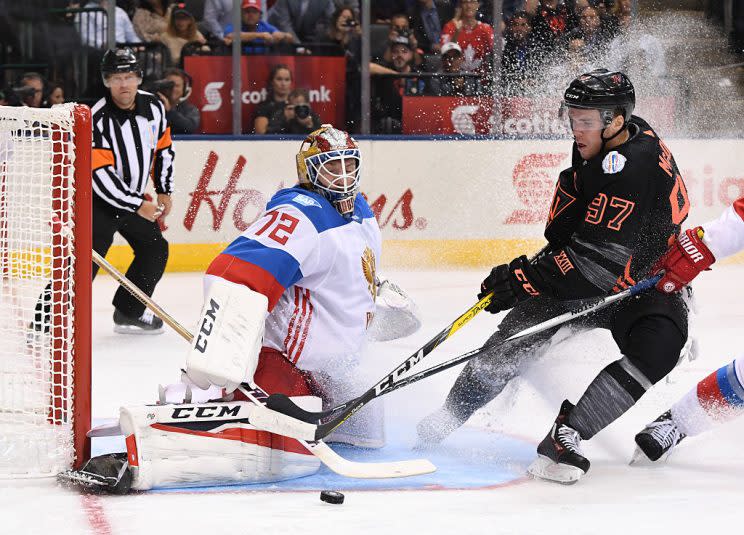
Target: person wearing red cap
<point x="254" y="30"/>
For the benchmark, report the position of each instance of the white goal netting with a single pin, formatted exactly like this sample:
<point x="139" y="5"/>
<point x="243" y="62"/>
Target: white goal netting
<point x="37" y="291"/>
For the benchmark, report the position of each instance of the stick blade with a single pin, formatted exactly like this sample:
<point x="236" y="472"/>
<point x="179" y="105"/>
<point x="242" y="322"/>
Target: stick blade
<point x="385" y="470"/>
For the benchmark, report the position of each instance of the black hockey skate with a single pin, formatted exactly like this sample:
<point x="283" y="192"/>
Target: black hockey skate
<point x="103" y="474"/>
<point x="559" y="456"/>
<point x="147" y="323"/>
<point x="657" y="439"/>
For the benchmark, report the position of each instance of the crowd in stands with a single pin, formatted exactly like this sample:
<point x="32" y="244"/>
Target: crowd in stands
<point x="419" y="47"/>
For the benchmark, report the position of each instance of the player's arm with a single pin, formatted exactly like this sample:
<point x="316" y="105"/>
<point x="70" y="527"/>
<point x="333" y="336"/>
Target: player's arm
<point x="107" y="183"/>
<point x="595" y="257"/>
<point x="566" y="210"/>
<point x="164" y="156"/>
<point x="698" y="248"/>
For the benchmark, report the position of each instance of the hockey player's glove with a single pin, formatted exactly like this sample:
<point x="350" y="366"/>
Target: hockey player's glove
<point x="686" y="257"/>
<point x="509" y="283"/>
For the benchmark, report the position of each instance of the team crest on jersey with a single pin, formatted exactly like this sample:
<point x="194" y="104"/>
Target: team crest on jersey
<point x="368" y="268"/>
<point x="613" y="162"/>
<point x="305" y="200"/>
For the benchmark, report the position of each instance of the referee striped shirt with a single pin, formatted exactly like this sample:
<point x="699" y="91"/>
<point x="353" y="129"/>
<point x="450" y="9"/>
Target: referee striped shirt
<point x="128" y="147"/>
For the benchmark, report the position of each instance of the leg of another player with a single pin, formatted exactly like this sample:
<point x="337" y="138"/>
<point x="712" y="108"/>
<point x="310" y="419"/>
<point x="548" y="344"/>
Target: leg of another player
<point x="488" y="374"/>
<point x="716" y="399"/>
<point x="150" y="256"/>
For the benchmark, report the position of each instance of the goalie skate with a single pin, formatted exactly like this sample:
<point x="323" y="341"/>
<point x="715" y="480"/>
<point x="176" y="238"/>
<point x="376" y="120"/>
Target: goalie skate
<point x="106" y="473"/>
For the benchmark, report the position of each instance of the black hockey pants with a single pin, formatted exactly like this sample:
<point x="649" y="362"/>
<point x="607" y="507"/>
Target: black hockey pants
<point x="649" y="329"/>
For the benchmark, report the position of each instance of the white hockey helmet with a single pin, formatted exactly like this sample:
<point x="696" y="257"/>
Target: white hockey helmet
<point x="329" y="163"/>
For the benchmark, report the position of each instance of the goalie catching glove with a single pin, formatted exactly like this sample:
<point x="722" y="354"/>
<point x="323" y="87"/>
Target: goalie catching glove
<point x="684" y="260"/>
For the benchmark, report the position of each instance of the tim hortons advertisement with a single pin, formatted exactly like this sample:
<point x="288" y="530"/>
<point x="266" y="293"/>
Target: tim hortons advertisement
<point x="323" y="76"/>
<point x="516" y="117"/>
<point x="439" y="203"/>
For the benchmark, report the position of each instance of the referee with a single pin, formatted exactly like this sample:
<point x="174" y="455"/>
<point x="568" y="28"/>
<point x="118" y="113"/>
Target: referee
<point x="131" y="143"/>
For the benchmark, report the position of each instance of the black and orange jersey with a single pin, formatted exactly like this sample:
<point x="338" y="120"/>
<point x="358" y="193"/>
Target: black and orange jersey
<point x="611" y="218"/>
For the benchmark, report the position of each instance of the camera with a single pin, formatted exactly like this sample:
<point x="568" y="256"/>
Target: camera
<point x="405" y="32"/>
<point x="302" y="111"/>
<point x="165" y="87"/>
<point x="350" y="23"/>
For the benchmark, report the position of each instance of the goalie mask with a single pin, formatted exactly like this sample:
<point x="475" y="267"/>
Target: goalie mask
<point x="329" y="163"/>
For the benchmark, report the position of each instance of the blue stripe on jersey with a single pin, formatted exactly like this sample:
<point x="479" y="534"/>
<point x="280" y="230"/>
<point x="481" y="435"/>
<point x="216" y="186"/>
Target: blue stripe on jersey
<point x="282" y="265"/>
<point x="732" y="391"/>
<point x="318" y="209"/>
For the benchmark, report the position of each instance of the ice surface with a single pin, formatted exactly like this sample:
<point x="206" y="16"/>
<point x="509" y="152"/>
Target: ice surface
<point x="701" y="488"/>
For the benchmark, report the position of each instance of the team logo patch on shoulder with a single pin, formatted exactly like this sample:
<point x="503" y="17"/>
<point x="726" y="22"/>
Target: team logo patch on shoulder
<point x="305" y="200"/>
<point x="613" y="162"/>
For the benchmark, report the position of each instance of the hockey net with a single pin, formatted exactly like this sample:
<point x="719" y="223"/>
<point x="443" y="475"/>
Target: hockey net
<point x="45" y="279"/>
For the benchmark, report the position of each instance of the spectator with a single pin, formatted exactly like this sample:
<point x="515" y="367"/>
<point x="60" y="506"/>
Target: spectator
<point x="297" y="117"/>
<point x="278" y="89"/>
<point x="400" y="26"/>
<point x="387" y="104"/>
<point x="452" y="60"/>
<point x="255" y="31"/>
<point x="35" y="84"/>
<point x="518" y="57"/>
<point x="217" y="15"/>
<point x="345" y="31"/>
<point x="574" y="9"/>
<point x="151" y="20"/>
<point x="305" y="19"/>
<point x="636" y="51"/>
<point x="589" y="36"/>
<point x="384" y="10"/>
<point x="344" y="28"/>
<point x="549" y="25"/>
<point x="182" y="116"/>
<point x="428" y="17"/>
<point x="474" y="37"/>
<point x="181" y="30"/>
<point x="93" y="27"/>
<point x="55" y="94"/>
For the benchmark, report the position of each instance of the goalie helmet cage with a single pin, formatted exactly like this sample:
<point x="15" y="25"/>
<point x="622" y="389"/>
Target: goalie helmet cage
<point x="45" y="289"/>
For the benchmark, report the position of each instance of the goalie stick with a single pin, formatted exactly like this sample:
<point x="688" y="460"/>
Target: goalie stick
<point x="317" y="431"/>
<point x="258" y="396"/>
<point x="282" y="404"/>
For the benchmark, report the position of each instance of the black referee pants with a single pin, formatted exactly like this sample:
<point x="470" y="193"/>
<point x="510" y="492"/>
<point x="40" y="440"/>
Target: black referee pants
<point x="148" y="244"/>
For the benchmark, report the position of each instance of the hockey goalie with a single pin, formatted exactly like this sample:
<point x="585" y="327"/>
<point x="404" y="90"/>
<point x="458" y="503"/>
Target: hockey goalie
<point x="288" y="306"/>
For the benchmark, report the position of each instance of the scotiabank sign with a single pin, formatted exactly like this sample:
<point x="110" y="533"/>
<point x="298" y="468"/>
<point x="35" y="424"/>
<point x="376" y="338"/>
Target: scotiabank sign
<point x="323" y="76"/>
<point x="516" y="116"/>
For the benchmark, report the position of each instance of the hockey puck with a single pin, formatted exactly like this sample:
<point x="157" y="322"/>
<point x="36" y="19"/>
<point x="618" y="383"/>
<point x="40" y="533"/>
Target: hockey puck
<point x="331" y="496"/>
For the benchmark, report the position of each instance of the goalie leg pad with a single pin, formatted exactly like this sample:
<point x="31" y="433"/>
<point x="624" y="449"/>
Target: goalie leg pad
<point x="224" y="351"/>
<point x="189" y="445"/>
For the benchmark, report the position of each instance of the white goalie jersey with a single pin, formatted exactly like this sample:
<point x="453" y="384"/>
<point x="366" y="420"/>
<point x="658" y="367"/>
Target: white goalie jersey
<point x="317" y="270"/>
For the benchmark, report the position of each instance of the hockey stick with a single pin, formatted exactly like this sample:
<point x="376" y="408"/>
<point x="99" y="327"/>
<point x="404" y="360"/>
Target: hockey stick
<point x="389" y="384"/>
<point x="282" y="403"/>
<point x="258" y="396"/>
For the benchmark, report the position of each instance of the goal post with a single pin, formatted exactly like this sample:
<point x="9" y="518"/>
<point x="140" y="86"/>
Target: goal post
<point x="45" y="289"/>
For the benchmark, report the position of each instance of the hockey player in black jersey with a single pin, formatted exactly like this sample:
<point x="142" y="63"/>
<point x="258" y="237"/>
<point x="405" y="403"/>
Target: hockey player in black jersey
<point x="611" y="217"/>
